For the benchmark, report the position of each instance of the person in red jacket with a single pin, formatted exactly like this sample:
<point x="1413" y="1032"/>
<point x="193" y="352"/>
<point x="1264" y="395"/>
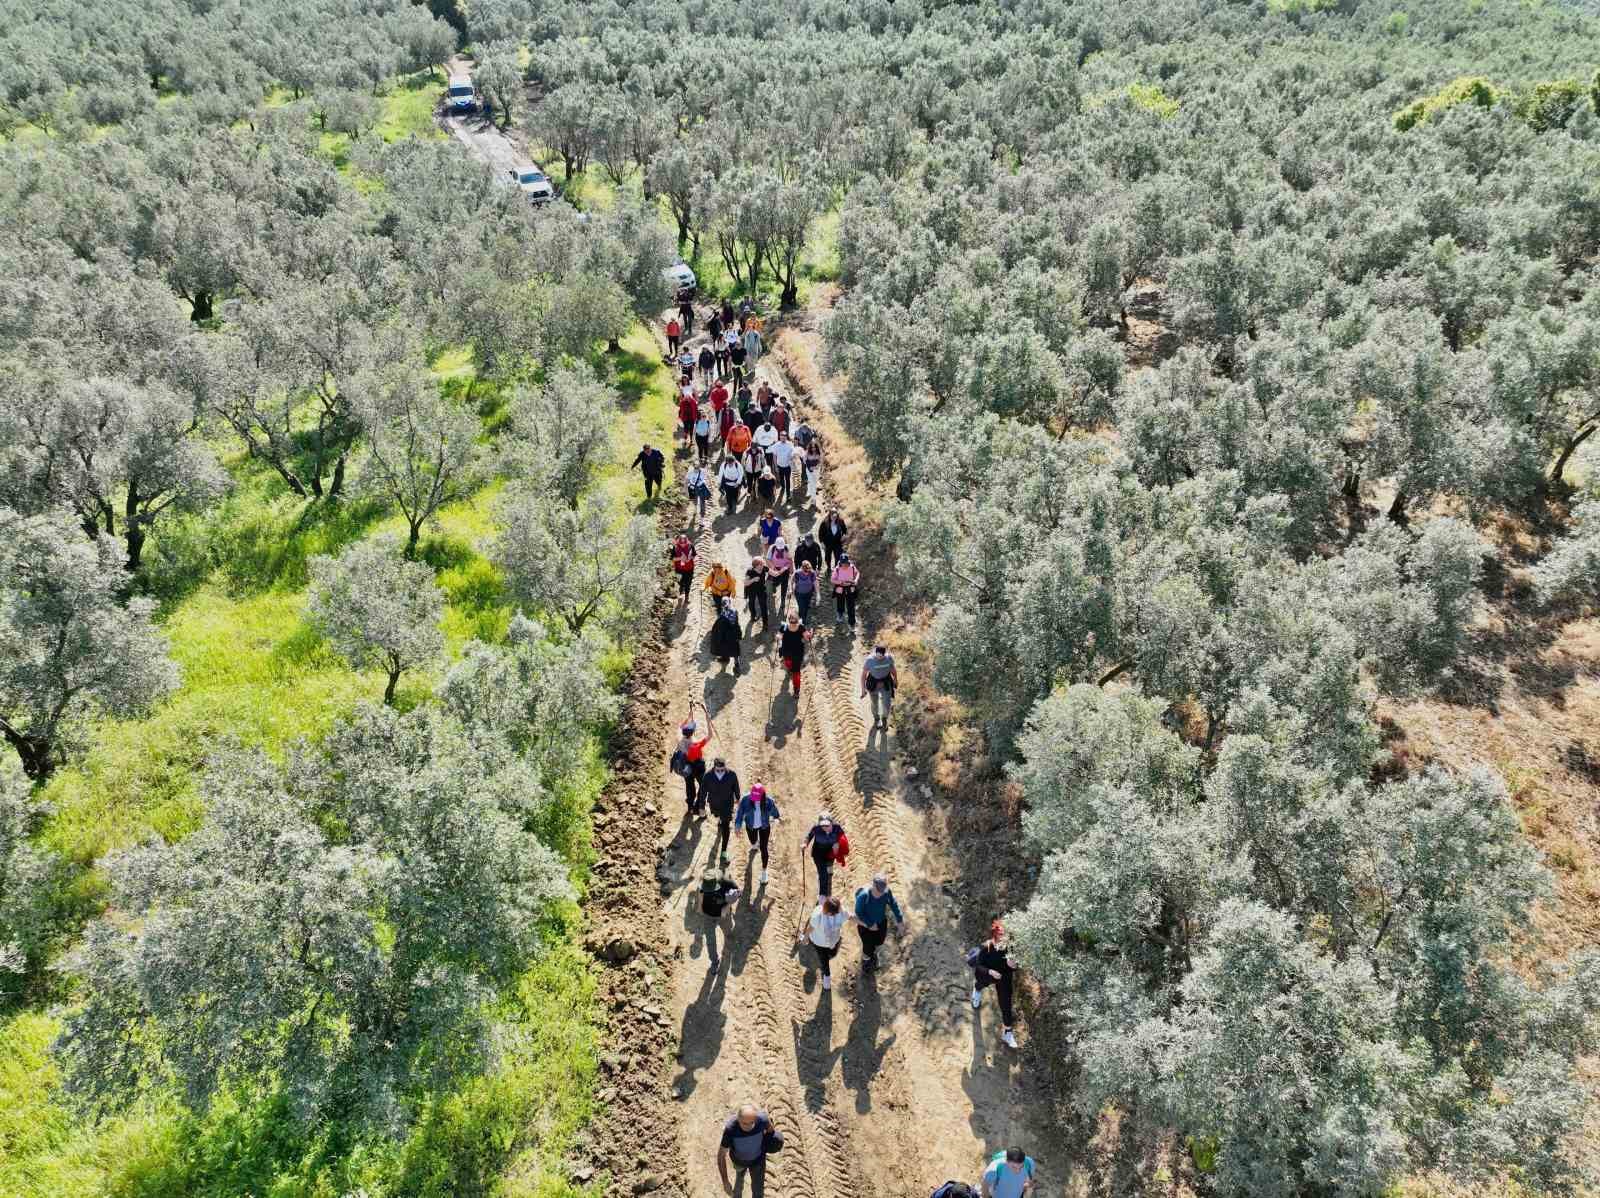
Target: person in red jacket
<point x="688" y="413"/>
<point x="674" y="335"/>
<point x="683" y="558"/>
<point x="719" y="397"/>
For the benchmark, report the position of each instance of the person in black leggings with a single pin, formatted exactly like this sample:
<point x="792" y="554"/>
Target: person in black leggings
<point x="992" y="965"/>
<point x="756" y="815"/>
<point x="719" y="790"/>
<point x="823" y="841"/>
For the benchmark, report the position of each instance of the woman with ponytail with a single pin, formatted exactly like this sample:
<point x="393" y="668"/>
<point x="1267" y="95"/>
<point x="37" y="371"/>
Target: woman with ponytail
<point x="993" y="965"/>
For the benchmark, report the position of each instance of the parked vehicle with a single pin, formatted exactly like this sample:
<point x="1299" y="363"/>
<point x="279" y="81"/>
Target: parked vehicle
<point x="680" y="275"/>
<point x="534" y="184"/>
<point x="461" y="96"/>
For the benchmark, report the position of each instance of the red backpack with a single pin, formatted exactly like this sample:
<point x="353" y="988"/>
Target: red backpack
<point x="842" y="849"/>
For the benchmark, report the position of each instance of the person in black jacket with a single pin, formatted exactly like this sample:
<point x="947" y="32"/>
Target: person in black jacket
<point x="720" y="790"/>
<point x="832" y="535"/>
<point x="993" y="965"/>
<point x="808" y="551"/>
<point x="755" y="591"/>
<point x="652" y="465"/>
<point x="792" y="648"/>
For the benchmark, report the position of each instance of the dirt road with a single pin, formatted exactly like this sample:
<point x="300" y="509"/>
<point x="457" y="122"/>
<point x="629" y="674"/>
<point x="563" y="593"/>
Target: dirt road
<point x="890" y="1083"/>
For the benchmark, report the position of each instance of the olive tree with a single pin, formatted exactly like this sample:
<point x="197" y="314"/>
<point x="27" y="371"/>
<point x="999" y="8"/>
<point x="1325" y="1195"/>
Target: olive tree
<point x="26" y="872"/>
<point x="560" y="431"/>
<point x="578" y="563"/>
<point x="1572" y="567"/>
<point x="421" y="446"/>
<point x="338" y="926"/>
<point x="378" y="609"/>
<point x="71" y="646"/>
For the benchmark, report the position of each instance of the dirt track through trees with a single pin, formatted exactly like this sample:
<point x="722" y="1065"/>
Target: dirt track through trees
<point x="889" y="1084"/>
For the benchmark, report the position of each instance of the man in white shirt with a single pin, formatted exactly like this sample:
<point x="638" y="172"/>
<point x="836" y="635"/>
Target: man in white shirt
<point x="782" y="458"/>
<point x="731" y="477"/>
<point x="765" y="438"/>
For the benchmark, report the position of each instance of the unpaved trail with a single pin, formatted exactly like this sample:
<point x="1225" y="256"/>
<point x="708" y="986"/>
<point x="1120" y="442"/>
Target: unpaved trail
<point x="888" y="1084"/>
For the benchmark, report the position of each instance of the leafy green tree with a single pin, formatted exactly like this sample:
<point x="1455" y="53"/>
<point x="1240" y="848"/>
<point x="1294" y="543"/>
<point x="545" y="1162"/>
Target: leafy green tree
<point x="500" y="78"/>
<point x="561" y="430"/>
<point x="338" y="927"/>
<point x="27" y="872"/>
<point x="70" y="647"/>
<point x="377" y="608"/>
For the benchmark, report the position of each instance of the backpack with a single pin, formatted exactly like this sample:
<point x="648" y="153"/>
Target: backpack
<point x="955" y="1189"/>
<point x="679" y="763"/>
<point x="842" y="849"/>
<point x="727" y="613"/>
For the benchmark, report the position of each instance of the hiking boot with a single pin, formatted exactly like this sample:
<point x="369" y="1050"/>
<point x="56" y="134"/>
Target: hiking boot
<point x="763" y="877"/>
<point x="1010" y="1037"/>
<point x="869" y="963"/>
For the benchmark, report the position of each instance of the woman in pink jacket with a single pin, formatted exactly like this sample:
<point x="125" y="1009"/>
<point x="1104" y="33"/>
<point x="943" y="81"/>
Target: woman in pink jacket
<point x="846" y="583"/>
<point x="780" y="562"/>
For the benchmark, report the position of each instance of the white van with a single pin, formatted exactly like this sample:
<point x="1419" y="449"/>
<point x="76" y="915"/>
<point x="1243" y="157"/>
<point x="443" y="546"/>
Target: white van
<point x="461" y="96"/>
<point x="534" y="184"/>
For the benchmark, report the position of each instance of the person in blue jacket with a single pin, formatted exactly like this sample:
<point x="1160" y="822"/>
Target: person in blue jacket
<point x="874" y="905"/>
<point x="756" y="815"/>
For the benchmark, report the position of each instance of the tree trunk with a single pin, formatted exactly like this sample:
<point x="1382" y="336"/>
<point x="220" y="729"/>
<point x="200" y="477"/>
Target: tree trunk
<point x="388" y="691"/>
<point x="1571" y="447"/>
<point x="34" y="752"/>
<point x="202" y="306"/>
<point x="336" y="488"/>
<point x="135" y="538"/>
<point x="1397" y="509"/>
<point x="410" y="552"/>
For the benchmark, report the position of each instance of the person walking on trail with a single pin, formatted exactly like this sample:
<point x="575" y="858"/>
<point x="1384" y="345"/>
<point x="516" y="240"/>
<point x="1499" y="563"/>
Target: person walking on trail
<point x="755" y="592"/>
<point x="719" y="350"/>
<point x="993" y="965"/>
<point x="653" y="465"/>
<point x="720" y="585"/>
<point x="737" y="358"/>
<point x="755" y="464"/>
<point x="766" y="483"/>
<point x="688" y="413"/>
<point x="780" y="418"/>
<point x="717" y="892"/>
<point x="725" y="422"/>
<point x="1009" y="1175"/>
<point x="689" y="760"/>
<point x="832" y="535"/>
<point x="698" y="484"/>
<point x="782" y="464"/>
<point x="792" y="649"/>
<point x="702" y="437"/>
<point x="683" y="559"/>
<point x="879" y="679"/>
<point x="686" y="309"/>
<point x="766" y="436"/>
<point x="808" y="551"/>
<point x="781" y="565"/>
<point x="719" y="790"/>
<point x="757" y="812"/>
<point x="726" y="637"/>
<point x="730" y="477"/>
<point x="804" y="434"/>
<point x="747" y="1139"/>
<point x="829" y="847"/>
<point x="674" y="336"/>
<point x="770" y="528"/>
<point x="714" y="327"/>
<point x="686" y="365"/>
<point x="813" y="468"/>
<point x="823" y="927"/>
<point x="846" y="581"/>
<point x="752" y="346"/>
<point x="806" y="582"/>
<point x="738" y="438"/>
<point x="707" y="361"/>
<point x="874" y="904"/>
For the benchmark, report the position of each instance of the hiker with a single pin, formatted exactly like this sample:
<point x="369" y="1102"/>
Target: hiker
<point x="721" y="585"/>
<point x="686" y="309"/>
<point x="808" y="551"/>
<point x="813" y="469"/>
<point x="688" y="413"/>
<point x="792" y="649"/>
<point x="804" y="435"/>
<point x="688" y="759"/>
<point x="738" y="438"/>
<point x="713" y="325"/>
<point x="755" y="592"/>
<point x="719" y="791"/>
<point x="726" y="311"/>
<point x="829" y="847"/>
<point x="699" y="488"/>
<point x="806" y="582"/>
<point x="686" y="365"/>
<point x="782" y="461"/>
<point x="702" y="436"/>
<point x="752" y="346"/>
<point x="780" y="418"/>
<point x="725" y="422"/>
<point x="846" y="581"/>
<point x="766" y="483"/>
<point x="832" y="535"/>
<point x="770" y="527"/>
<point x="730" y="476"/>
<point x="652" y="465"/>
<point x="748" y="1137"/>
<point x="719" y="352"/>
<point x="874" y="905"/>
<point x="782" y="566"/>
<point x="755" y="463"/>
<point x="823" y="927"/>
<point x="717" y="891"/>
<point x="993" y="966"/>
<point x="718" y="398"/>
<point x="955" y="1189"/>
<point x="736" y="355"/>
<point x="878" y="679"/>
<point x="674" y="336"/>
<point x="726" y="637"/>
<point x="707" y="360"/>
<point x="766" y="436"/>
<point x="1009" y="1175"/>
<point x="757" y="812"/>
<point x="683" y="559"/>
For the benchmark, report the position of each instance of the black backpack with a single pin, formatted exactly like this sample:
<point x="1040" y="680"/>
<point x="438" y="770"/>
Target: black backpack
<point x="678" y="763"/>
<point x="955" y="1189"/>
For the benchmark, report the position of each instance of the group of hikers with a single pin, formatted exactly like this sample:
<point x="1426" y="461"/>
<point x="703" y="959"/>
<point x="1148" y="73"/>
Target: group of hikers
<point x="762" y="440"/>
